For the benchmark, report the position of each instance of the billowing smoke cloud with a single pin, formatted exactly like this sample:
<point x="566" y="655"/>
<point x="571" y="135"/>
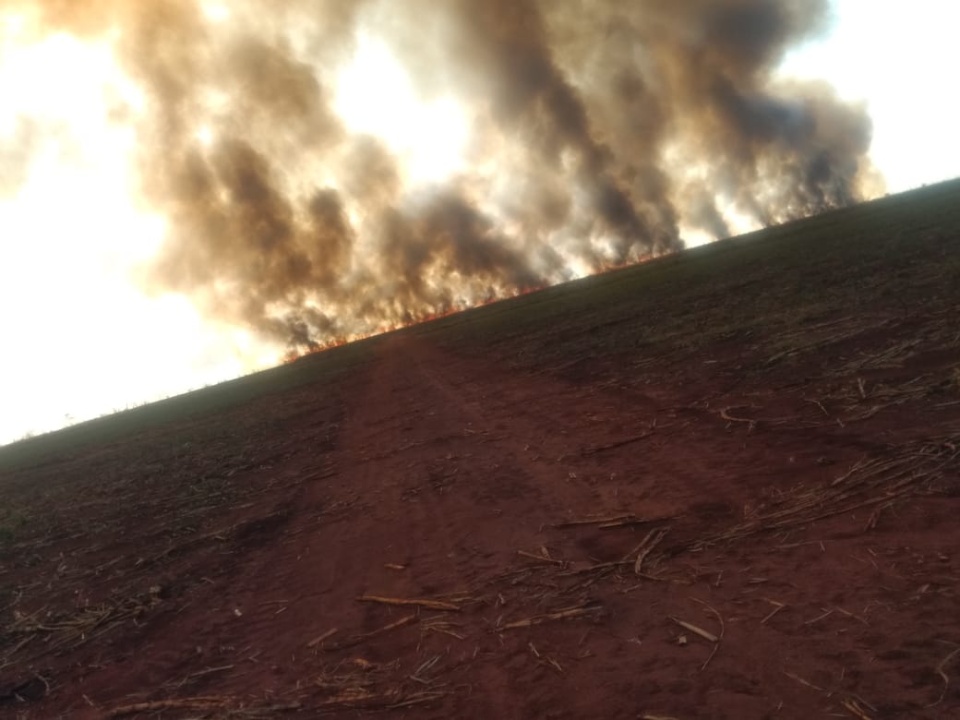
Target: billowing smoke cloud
<point x="598" y="129"/>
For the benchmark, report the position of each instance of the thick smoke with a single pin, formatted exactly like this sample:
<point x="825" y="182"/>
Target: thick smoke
<point x="598" y="128"/>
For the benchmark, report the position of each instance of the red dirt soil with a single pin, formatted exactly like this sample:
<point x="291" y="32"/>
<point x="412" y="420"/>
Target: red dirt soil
<point x="796" y="535"/>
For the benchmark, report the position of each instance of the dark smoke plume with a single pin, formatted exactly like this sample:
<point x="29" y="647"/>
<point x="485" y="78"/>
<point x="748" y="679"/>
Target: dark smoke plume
<point x="611" y="124"/>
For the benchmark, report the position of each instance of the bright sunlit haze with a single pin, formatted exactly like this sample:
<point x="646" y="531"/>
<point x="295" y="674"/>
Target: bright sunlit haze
<point x="87" y="329"/>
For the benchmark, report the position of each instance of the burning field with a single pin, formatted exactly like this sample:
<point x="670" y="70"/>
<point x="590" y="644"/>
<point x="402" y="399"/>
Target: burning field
<point x="721" y="484"/>
<point x="594" y="134"/>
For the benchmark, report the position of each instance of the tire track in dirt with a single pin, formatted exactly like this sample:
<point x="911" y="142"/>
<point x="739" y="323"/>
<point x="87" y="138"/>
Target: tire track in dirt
<point x="478" y="468"/>
<point x="426" y="451"/>
<point x="432" y="439"/>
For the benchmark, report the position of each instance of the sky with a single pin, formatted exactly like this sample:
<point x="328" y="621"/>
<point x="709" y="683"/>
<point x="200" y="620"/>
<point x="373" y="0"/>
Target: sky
<point x="898" y="58"/>
<point x="81" y="337"/>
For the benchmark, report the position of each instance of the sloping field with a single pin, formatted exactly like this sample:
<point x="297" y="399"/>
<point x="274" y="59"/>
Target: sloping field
<point x="724" y="484"/>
